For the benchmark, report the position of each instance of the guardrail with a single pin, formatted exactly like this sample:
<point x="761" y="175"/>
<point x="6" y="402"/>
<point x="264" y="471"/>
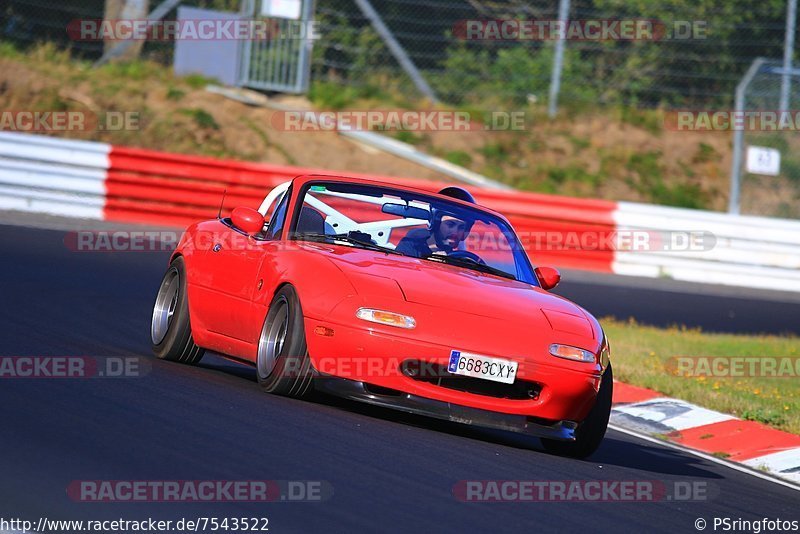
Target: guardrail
<point x="99" y="181"/>
<point x="747" y="251"/>
<point x="46" y="175"/>
<point x="154" y="187"/>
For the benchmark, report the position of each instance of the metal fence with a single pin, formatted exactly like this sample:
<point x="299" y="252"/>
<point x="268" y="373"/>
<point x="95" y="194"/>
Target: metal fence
<point x="28" y="22"/>
<point x="685" y="70"/>
<point x="768" y="187"/>
<point x="690" y="68"/>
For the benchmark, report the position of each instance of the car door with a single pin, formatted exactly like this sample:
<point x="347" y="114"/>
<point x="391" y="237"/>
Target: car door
<point x="232" y="265"/>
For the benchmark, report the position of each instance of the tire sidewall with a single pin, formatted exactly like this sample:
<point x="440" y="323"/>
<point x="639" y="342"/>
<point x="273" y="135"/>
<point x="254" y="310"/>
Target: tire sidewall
<point x="592" y="430"/>
<point x="293" y="355"/>
<point x="179" y="329"/>
<point x="594" y="427"/>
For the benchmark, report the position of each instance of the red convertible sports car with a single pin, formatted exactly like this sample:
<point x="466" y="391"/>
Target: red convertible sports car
<point x="394" y="296"/>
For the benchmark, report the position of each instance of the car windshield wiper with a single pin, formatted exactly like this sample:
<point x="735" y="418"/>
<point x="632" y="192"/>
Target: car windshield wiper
<point x="347" y="239"/>
<point x="469" y="264"/>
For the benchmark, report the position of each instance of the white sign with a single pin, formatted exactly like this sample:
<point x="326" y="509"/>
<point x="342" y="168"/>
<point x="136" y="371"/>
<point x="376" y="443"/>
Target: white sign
<point x="761" y="160"/>
<point x="283" y="9"/>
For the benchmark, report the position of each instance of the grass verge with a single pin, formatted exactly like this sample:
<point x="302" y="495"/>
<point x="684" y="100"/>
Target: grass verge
<point x="645" y="356"/>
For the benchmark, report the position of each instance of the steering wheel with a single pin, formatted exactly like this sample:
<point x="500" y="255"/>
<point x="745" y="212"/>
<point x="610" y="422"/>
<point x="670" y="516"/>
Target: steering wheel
<point x="467" y="255"/>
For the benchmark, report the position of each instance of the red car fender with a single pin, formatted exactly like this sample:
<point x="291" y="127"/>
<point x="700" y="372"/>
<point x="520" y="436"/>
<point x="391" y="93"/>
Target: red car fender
<point x="188" y="241"/>
<point x="600" y="335"/>
<point x="194" y="242"/>
<point x="320" y="284"/>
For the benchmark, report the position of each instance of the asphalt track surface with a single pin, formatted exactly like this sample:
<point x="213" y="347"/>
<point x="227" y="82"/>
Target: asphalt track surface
<point x="389" y="472"/>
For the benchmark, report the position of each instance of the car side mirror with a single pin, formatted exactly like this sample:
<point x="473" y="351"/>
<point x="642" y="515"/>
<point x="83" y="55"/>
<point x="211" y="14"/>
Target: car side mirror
<point x="247" y="220"/>
<point x="548" y="277"/>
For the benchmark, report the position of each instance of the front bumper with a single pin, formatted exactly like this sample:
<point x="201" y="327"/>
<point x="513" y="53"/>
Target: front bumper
<point x="359" y="391"/>
<point x="373" y="356"/>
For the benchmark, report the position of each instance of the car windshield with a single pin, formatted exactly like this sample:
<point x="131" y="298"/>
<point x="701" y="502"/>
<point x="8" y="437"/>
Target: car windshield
<point x="395" y="221"/>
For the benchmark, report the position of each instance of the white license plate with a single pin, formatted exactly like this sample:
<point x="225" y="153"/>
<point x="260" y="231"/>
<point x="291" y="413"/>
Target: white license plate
<point x="486" y="367"/>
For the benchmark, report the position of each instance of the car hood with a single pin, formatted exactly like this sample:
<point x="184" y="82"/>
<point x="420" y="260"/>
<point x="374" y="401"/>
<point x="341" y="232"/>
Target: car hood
<point x="463" y="290"/>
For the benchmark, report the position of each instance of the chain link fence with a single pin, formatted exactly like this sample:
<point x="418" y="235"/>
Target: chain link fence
<point x="775" y="191"/>
<point x="699" y="59"/>
<point x="29" y="22"/>
<point x="704" y="49"/>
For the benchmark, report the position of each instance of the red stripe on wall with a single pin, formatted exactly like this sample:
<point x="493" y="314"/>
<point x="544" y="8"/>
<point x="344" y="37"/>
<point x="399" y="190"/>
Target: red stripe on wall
<point x="146" y="186"/>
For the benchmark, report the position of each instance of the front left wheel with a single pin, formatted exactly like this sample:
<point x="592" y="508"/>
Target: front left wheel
<point x="283" y="365"/>
<point x="170" y="329"/>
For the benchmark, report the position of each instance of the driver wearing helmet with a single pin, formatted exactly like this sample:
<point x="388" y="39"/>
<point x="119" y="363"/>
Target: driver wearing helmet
<point x="446" y="232"/>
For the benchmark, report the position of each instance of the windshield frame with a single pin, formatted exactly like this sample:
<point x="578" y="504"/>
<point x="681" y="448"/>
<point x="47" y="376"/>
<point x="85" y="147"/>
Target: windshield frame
<point x="522" y="263"/>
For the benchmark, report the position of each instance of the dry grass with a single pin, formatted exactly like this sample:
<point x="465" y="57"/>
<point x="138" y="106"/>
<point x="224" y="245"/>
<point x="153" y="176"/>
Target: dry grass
<point x="176" y="114"/>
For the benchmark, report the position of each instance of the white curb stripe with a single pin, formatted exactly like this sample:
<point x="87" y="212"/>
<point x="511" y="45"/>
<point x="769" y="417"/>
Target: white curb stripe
<point x="784" y="463"/>
<point x="665" y="414"/>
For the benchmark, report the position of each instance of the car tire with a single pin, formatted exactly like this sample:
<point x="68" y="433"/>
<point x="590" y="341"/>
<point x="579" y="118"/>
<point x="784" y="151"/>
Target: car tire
<point x="591" y="431"/>
<point x="170" y="328"/>
<point x="283" y="366"/>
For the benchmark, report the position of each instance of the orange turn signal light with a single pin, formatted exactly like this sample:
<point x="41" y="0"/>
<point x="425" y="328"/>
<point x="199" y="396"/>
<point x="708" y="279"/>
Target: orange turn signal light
<point x="572" y="353"/>
<point x="324" y="331"/>
<point x="386" y="317"/>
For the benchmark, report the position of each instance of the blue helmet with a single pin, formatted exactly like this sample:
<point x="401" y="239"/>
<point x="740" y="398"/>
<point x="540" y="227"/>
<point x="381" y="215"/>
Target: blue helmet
<point x="458" y="192"/>
<point x="437" y="214"/>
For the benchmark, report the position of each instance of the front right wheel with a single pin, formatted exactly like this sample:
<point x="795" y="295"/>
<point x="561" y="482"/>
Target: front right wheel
<point x="591" y="431"/>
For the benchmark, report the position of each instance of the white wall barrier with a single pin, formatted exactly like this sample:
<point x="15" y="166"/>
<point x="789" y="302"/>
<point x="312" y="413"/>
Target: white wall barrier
<point x="758" y="252"/>
<point x="54" y="176"/>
